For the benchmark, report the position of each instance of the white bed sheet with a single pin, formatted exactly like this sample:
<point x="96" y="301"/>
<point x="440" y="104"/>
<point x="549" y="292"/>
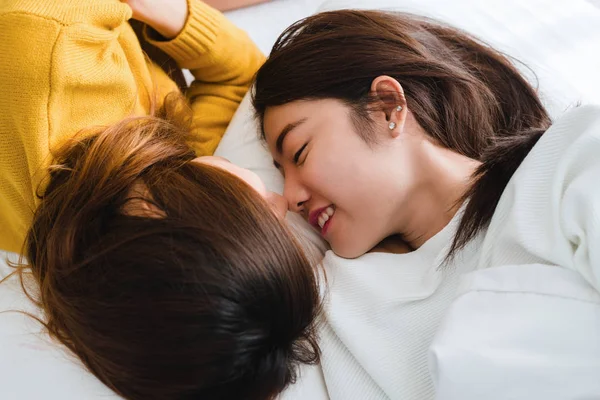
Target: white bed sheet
<point x="32" y="367"/>
<point x="265" y="22"/>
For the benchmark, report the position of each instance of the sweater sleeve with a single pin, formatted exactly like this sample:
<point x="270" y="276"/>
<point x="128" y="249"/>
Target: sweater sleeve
<point x="222" y="59"/>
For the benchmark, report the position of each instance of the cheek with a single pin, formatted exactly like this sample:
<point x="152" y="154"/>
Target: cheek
<point x="353" y="180"/>
<point x="335" y="166"/>
<point x="356" y="182"/>
<point x="328" y="175"/>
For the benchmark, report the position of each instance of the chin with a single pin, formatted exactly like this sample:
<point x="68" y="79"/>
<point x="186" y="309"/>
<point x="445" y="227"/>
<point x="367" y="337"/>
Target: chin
<point x="349" y="252"/>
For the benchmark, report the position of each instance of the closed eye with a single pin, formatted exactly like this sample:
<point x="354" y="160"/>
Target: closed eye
<point x="299" y="153"/>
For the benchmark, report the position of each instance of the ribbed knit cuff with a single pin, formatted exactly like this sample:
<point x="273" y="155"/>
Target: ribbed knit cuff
<point x="197" y="36"/>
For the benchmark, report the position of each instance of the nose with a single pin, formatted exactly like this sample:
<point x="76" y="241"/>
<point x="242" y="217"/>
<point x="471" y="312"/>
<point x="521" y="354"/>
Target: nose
<point x="295" y="193"/>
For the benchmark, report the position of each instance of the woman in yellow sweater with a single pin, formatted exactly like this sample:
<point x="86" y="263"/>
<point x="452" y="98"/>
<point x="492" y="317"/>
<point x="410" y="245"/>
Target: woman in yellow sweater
<point x="169" y="275"/>
<point x="71" y="64"/>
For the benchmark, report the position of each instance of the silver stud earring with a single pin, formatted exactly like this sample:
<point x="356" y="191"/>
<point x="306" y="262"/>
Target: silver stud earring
<point x="392" y="125"/>
<point x="399" y="108"/>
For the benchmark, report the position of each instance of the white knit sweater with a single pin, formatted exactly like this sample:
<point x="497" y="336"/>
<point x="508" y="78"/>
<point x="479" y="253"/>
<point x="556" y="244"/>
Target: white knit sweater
<point x="550" y="211"/>
<point x="383" y="310"/>
<point x="526" y="324"/>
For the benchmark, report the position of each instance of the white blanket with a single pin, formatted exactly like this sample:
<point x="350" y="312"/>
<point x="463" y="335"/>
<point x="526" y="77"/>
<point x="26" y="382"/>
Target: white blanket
<point x="526" y="325"/>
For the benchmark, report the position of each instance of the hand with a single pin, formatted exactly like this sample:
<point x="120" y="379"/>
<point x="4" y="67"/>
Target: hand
<point x="167" y="17"/>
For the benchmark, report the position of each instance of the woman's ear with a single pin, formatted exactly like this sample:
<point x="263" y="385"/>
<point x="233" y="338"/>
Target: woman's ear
<point x="390" y="99"/>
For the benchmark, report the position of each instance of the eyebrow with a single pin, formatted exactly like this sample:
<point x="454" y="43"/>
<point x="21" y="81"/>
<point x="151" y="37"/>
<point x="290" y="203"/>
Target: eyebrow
<point x="284" y="132"/>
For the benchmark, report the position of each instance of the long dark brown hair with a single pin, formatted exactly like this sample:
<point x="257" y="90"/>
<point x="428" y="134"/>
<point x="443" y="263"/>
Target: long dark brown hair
<point x="467" y="96"/>
<point x="188" y="288"/>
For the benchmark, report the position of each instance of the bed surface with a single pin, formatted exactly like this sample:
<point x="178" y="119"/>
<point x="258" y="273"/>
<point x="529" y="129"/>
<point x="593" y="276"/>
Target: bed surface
<point x="32" y="367"/>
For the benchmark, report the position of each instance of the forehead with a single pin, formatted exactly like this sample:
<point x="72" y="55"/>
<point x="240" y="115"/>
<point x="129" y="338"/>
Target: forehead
<point x="246" y="175"/>
<point x="314" y="111"/>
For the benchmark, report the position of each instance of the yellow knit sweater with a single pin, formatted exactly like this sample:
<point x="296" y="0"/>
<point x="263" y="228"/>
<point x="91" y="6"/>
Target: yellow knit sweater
<point x="70" y="64"/>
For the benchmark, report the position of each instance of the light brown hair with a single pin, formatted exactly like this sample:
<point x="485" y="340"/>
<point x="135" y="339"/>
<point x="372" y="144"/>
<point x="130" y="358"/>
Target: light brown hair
<point x="195" y="291"/>
<point x="467" y="96"/>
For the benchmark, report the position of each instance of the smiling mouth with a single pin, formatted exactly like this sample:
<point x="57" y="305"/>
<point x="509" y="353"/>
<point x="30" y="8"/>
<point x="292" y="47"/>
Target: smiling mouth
<point x="321" y="218"/>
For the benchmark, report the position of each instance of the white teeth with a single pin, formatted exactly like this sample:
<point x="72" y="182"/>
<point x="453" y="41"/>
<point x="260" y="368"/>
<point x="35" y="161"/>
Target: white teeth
<point x="325" y="215"/>
<point x="321" y="222"/>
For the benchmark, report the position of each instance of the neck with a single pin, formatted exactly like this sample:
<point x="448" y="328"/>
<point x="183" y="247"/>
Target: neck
<point x="438" y="196"/>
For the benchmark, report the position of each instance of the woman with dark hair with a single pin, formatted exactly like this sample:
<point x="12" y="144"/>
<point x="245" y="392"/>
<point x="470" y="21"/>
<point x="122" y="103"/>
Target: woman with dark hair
<point x="171" y="276"/>
<point x="168" y="272"/>
<point x="397" y="134"/>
